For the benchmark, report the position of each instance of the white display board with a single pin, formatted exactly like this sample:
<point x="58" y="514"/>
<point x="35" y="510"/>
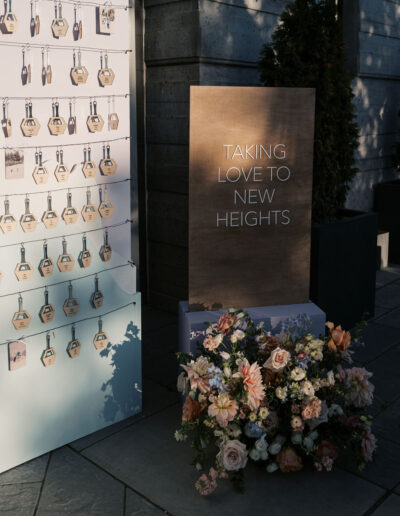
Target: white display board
<point x="41" y="407"/>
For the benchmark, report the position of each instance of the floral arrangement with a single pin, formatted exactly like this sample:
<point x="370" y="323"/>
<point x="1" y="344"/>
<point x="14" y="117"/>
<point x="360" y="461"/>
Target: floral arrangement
<point x="282" y="401"/>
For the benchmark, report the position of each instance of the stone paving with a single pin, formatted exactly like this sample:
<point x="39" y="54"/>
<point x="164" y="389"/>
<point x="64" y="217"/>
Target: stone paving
<point x="136" y="467"/>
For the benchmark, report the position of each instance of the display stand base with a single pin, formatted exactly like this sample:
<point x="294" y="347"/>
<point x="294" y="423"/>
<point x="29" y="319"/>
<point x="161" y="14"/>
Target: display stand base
<point x="192" y="329"/>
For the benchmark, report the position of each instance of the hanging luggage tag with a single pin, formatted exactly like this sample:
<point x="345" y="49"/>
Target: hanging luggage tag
<point x="49" y="70"/>
<point x="89" y="168"/>
<point x="101" y="339"/>
<point x="21" y="319"/>
<point x="74" y="346"/>
<point x="97" y="296"/>
<point x="105" y="19"/>
<point x="57" y="124"/>
<point x="50" y="216"/>
<point x="44" y="70"/>
<point x="10" y="20"/>
<point x="72" y="122"/>
<point x="89" y="211"/>
<point x="6" y="123"/>
<point x="79" y="73"/>
<point x="71" y="305"/>
<point x="24" y="269"/>
<point x="70" y="214"/>
<point x="106" y="250"/>
<point x="37" y="19"/>
<point x="65" y="261"/>
<point x="28" y="220"/>
<point x="106" y="208"/>
<point x="77" y="28"/>
<point x="108" y="165"/>
<point x="46" y="265"/>
<point x="61" y="171"/>
<point x="85" y="257"/>
<point x="60" y="25"/>
<point x="49" y="355"/>
<point x="106" y="75"/>
<point x="30" y="125"/>
<point x="40" y="172"/>
<point x="16" y="355"/>
<point x="94" y="121"/>
<point x="113" y="119"/>
<point x="47" y="311"/>
<point x="8" y="223"/>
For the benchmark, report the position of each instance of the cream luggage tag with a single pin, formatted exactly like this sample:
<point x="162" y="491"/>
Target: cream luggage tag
<point x="79" y="73"/>
<point x="37" y="20"/>
<point x="57" y="124"/>
<point x="94" y="121"/>
<point x="10" y="20"/>
<point x="70" y="214"/>
<point x="97" y="296"/>
<point x="46" y="313"/>
<point x="108" y="165"/>
<point x="106" y="75"/>
<point x="49" y="355"/>
<point x="24" y="269"/>
<point x="40" y="172"/>
<point x="74" y="346"/>
<point x="16" y="355"/>
<point x="89" y="168"/>
<point x="105" y="19"/>
<point x="89" y="211"/>
<point x="61" y="171"/>
<point x="106" y="208"/>
<point x="28" y="220"/>
<point x="71" y="305"/>
<point x="30" y="125"/>
<point x="85" y="257"/>
<point x="49" y="70"/>
<point x="77" y="29"/>
<point x="101" y="339"/>
<point x="106" y="250"/>
<point x="6" y="123"/>
<point x="21" y="319"/>
<point x="60" y="25"/>
<point x="8" y="222"/>
<point x="50" y="216"/>
<point x="113" y="119"/>
<point x="46" y="265"/>
<point x="72" y="122"/>
<point x="65" y="261"/>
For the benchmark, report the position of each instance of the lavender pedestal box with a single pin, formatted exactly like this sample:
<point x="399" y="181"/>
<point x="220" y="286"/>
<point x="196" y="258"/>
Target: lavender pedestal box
<point x="192" y="329"/>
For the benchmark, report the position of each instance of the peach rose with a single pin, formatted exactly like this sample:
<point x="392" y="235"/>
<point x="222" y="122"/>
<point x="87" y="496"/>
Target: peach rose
<point x="289" y="461"/>
<point x="340" y="339"/>
<point x="278" y="360"/>
<point x="327" y="449"/>
<point x="225" y="323"/>
<point x="192" y="409"/>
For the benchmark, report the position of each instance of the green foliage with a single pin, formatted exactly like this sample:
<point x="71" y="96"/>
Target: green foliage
<point x="307" y="51"/>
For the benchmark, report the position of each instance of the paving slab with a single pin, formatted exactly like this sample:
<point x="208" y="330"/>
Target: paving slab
<point x="138" y="506"/>
<point x="392" y="319"/>
<point x="390" y="507"/>
<point x="385" y="276"/>
<point x="387" y="424"/>
<point x="75" y="486"/>
<point x="386" y="377"/>
<point x="146" y="457"/>
<point x="380" y="311"/>
<point x="32" y="471"/>
<point x="388" y="296"/>
<point x="378" y="338"/>
<point x="19" y="499"/>
<point x="397" y="490"/>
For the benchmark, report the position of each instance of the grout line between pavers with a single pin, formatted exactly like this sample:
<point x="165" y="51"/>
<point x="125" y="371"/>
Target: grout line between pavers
<point x="43" y="481"/>
<point x="120" y="481"/>
<point x="359" y="475"/>
<point x="387" y="284"/>
<point x="379" y="502"/>
<point x="382" y="354"/>
<point x="20" y="483"/>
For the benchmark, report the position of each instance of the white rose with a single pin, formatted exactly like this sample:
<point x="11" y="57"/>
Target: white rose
<point x="254" y="455"/>
<point x="272" y="467"/>
<point x="307" y="388"/>
<point x="237" y="335"/>
<point x="234" y="455"/>
<point x="278" y="360"/>
<point x="297" y="374"/>
<point x="297" y="438"/>
<point x="274" y="448"/>
<point x="281" y="393"/>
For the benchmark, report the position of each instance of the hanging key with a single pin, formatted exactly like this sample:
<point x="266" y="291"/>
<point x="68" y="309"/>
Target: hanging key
<point x="106" y="250"/>
<point x="24" y="269"/>
<point x="21" y="319"/>
<point x="97" y="296"/>
<point x="71" y="304"/>
<point x="89" y="168"/>
<point x="46" y="265"/>
<point x="65" y="261"/>
<point x="101" y="339"/>
<point x="85" y="257"/>
<point x="72" y="122"/>
<point x="89" y="211"/>
<point x="50" y="217"/>
<point x="108" y="165"/>
<point x="61" y="171"/>
<point x="74" y="346"/>
<point x="49" y="355"/>
<point x="28" y="220"/>
<point x="94" y="121"/>
<point x="70" y="214"/>
<point x="106" y="208"/>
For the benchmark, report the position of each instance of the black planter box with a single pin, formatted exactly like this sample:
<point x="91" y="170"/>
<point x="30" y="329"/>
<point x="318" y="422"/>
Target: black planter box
<point x="387" y="205"/>
<point x="343" y="267"/>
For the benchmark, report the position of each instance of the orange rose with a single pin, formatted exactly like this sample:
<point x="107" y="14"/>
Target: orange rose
<point x="225" y="323"/>
<point x="289" y="461"/>
<point x="327" y="449"/>
<point x="192" y="409"/>
<point x="340" y="339"/>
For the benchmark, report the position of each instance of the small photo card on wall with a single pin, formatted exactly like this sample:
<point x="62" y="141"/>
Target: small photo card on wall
<point x="14" y="163"/>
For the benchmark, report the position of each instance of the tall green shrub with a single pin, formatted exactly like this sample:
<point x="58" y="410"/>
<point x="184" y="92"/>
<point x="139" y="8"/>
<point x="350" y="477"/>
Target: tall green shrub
<point x="307" y="50"/>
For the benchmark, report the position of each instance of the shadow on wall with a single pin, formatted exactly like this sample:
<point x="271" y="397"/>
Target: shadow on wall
<point x="123" y="397"/>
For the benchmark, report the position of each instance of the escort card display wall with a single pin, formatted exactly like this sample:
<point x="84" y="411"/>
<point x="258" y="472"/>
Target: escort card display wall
<point x="70" y="345"/>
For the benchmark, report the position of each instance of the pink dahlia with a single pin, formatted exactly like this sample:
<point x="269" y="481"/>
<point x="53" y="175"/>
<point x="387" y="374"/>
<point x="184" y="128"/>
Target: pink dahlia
<point x="198" y="374"/>
<point x="252" y="381"/>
